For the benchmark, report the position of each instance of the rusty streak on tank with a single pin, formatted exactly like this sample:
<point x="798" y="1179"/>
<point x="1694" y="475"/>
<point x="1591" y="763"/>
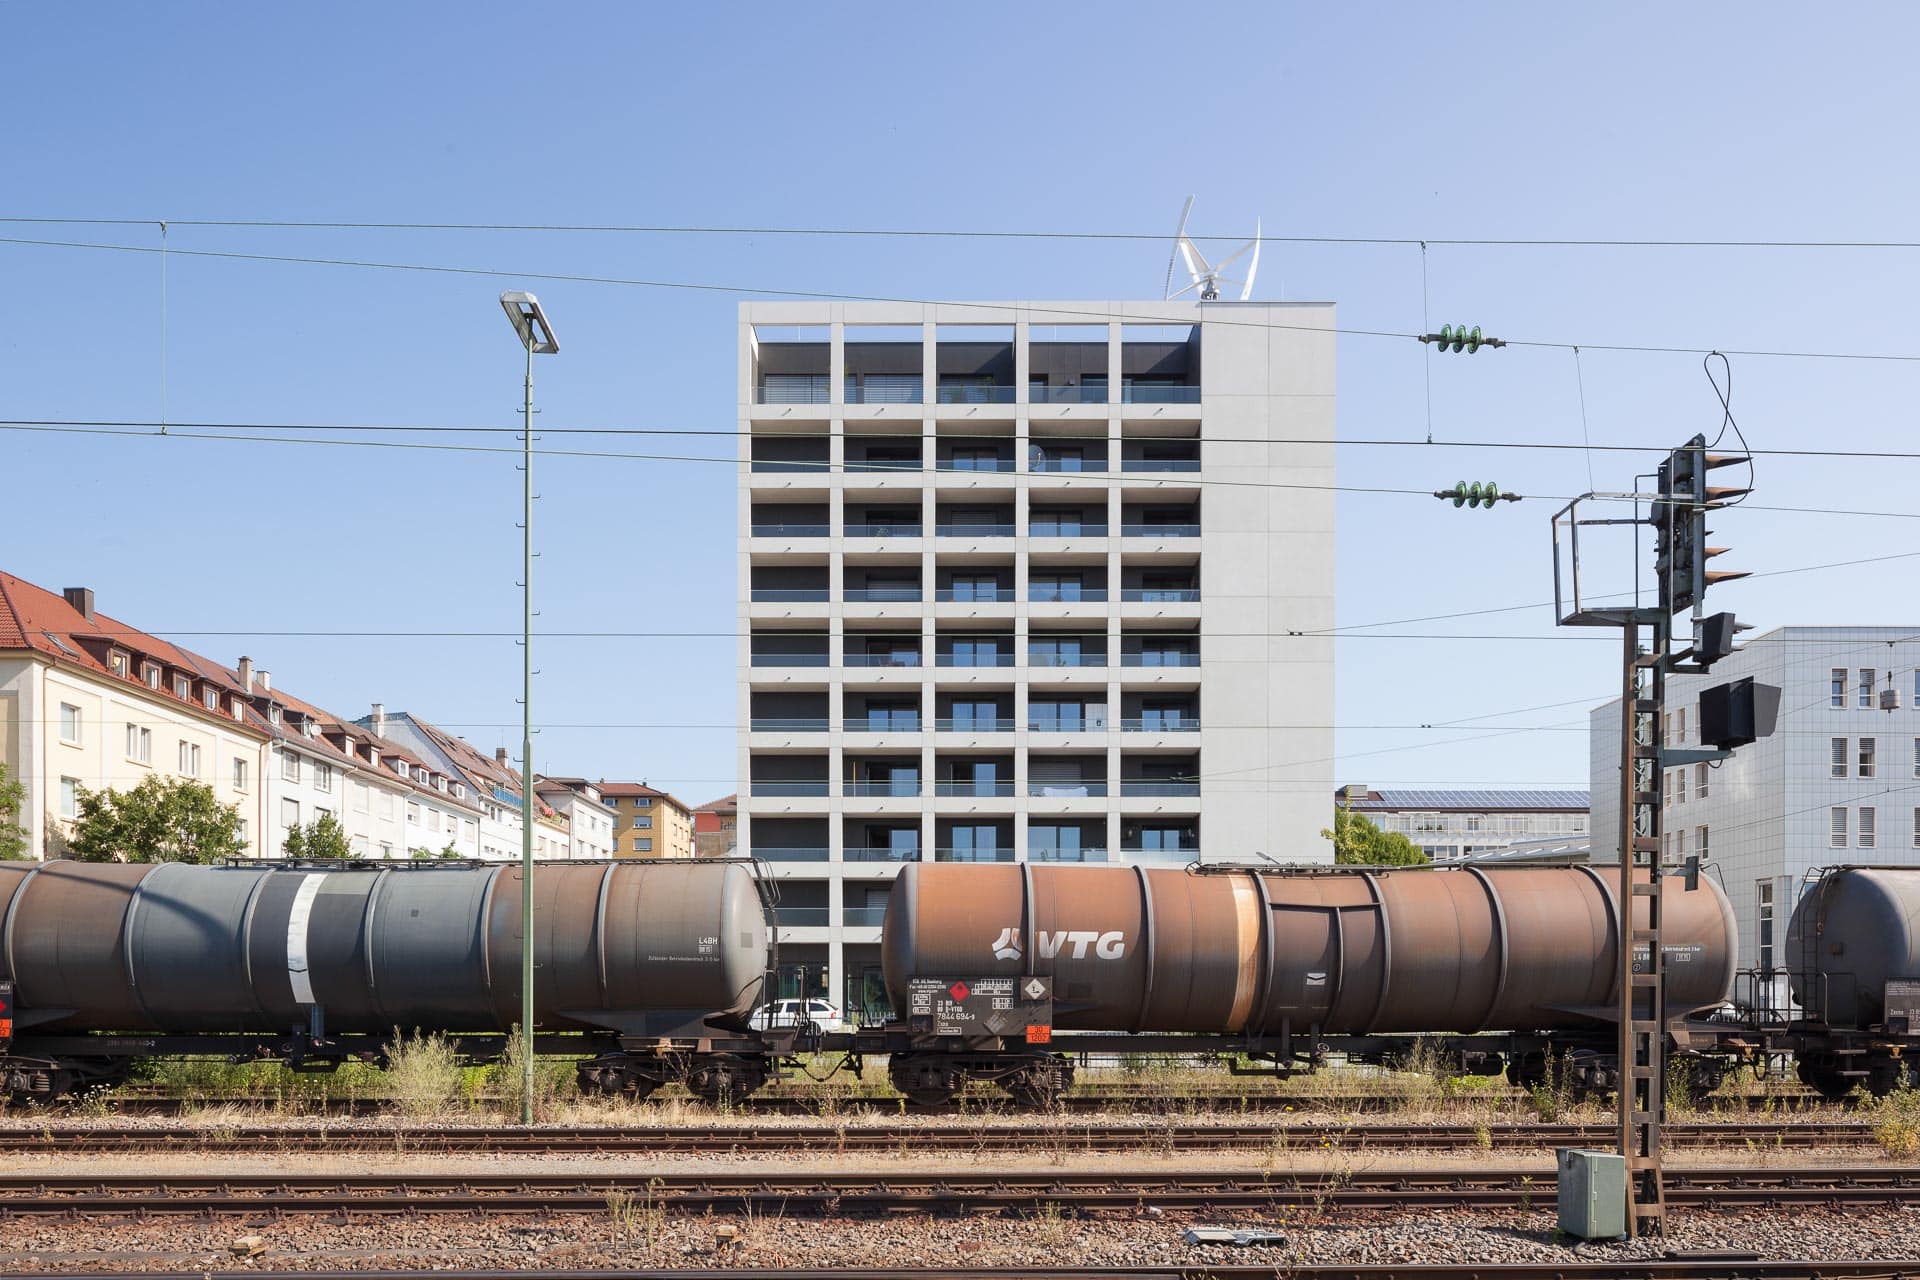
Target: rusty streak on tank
<point x="1349" y="951"/>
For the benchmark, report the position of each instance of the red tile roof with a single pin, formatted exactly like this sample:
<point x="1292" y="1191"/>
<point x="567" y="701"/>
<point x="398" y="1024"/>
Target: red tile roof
<point x="629" y="789"/>
<point x="725" y="804"/>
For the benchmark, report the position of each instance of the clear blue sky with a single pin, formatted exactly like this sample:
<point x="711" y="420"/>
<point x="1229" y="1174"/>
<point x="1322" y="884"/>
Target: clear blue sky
<point x="1655" y="121"/>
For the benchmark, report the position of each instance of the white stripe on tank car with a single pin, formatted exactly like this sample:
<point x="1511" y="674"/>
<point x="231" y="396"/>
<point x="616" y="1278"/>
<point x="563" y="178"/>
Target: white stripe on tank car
<point x="297" y="937"/>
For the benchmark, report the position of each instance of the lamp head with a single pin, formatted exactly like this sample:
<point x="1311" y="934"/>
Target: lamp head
<point x="530" y="322"/>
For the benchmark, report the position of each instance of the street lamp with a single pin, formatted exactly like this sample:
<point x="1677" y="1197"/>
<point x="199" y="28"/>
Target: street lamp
<point x="536" y="335"/>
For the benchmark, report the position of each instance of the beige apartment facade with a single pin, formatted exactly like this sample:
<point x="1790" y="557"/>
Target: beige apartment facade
<point x="647" y="822"/>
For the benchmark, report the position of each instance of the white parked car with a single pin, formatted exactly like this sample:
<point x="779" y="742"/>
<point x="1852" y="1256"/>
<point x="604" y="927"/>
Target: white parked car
<point x="793" y="1013"/>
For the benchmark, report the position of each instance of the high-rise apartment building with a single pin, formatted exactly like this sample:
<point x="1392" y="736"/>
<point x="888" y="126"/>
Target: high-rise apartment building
<point x="1027" y="582"/>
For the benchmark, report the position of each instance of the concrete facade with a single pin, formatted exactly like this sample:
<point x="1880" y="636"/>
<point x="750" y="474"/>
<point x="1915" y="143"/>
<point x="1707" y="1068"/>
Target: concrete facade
<point x="1837" y="782"/>
<point x="1043" y="581"/>
<point x="1451" y="825"/>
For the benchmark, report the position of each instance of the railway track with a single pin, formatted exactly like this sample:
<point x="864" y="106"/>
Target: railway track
<point x="265" y="1196"/>
<point x="1679" y="1267"/>
<point x="1002" y="1137"/>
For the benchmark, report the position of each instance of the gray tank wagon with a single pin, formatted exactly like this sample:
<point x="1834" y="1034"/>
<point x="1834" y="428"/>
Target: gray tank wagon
<point x="1285" y="960"/>
<point x="658" y="965"/>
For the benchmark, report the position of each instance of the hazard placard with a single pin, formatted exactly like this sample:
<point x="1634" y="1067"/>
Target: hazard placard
<point x="1009" y="1007"/>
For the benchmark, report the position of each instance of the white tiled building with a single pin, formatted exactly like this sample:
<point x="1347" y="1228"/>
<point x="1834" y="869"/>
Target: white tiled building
<point x="1043" y="581"/>
<point x="1838" y="782"/>
<point x="1450" y="825"/>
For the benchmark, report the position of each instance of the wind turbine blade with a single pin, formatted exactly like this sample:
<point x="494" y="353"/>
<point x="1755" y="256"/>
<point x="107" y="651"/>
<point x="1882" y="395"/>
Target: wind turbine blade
<point x="1179" y="245"/>
<point x="1253" y="263"/>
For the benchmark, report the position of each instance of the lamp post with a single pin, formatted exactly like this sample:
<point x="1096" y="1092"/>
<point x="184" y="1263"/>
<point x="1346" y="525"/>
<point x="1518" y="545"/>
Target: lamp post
<point x="536" y="335"/>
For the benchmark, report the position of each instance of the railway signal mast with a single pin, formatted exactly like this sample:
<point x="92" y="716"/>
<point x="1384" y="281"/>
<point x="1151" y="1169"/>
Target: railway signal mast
<point x="1654" y="647"/>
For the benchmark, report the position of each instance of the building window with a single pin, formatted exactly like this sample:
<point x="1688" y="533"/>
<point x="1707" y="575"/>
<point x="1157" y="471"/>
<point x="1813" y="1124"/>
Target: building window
<point x="643" y="844"/>
<point x="1916" y="828"/>
<point x="1916" y="757"/>
<point x="386" y="849"/>
<point x="69" y="797"/>
<point x="1765" y="913"/>
<point x="1682" y="713"/>
<point x="1869" y="827"/>
<point x="1865" y="688"/>
<point x="1700" y="842"/>
<point x="1867" y="764"/>
<point x="240" y="830"/>
<point x="210" y="698"/>
<point x="413" y="812"/>
<point x="190" y="759"/>
<point x="360" y="804"/>
<point x="290" y="766"/>
<point x="70" y="724"/>
<point x="182" y="687"/>
<point x="643" y="802"/>
<point x="1837" y="757"/>
<point x="1837" y="691"/>
<point x="1700" y="776"/>
<point x="1680" y="842"/>
<point x="1837" y="828"/>
<point x="289" y="813"/>
<point x="322" y="776"/>
<point x="139" y="744"/>
<point x="642" y="823"/>
<point x="239" y="774"/>
<point x="116" y="662"/>
<point x="1680" y="786"/>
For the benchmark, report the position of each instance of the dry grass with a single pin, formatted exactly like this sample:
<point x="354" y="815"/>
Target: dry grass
<point x="423" y="1076"/>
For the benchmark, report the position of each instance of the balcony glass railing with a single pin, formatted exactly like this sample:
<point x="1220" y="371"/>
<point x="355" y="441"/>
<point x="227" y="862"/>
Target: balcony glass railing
<point x="803" y="917"/>
<point x="974" y="724"/>
<point x="893" y="390"/>
<point x="788" y="787"/>
<point x="1066" y="855"/>
<point x="1160" y="464"/>
<point x="879" y="854"/>
<point x="790" y="660"/>
<point x="1158" y="393"/>
<point x="793" y="853"/>
<point x="1055" y="529"/>
<point x="974" y="530"/>
<point x="965" y="787"/>
<point x="881" y="660"/>
<point x="1159" y="530"/>
<point x="901" y="787"/>
<point x="1040" y="393"/>
<point x="1161" y="724"/>
<point x="1056" y="466"/>
<point x="876" y="466"/>
<point x="882" y="595"/>
<point x="976" y="464"/>
<point x="790" y="595"/>
<point x="1159" y="787"/>
<point x="779" y="465"/>
<point x="781" y="529"/>
<point x="974" y="393"/>
<point x="898" y="722"/>
<point x="974" y="595"/>
<point x="884" y="530"/>
<point x="795" y="391"/>
<point x="789" y="724"/>
<point x="863" y="917"/>
<point x="1043" y="594"/>
<point x="973" y="855"/>
<point x="1038" y="659"/>
<point x="1160" y="658"/>
<point x="1066" y="790"/>
<point x="1161" y="857"/>
<point x="1160" y="595"/>
<point x="1065" y="725"/>
<point x="974" y="660"/>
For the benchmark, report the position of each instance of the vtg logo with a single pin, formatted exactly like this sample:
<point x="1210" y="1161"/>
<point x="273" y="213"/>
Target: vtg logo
<point x="1111" y="945"/>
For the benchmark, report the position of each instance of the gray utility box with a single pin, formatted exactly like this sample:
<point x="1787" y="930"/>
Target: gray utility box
<point x="1593" y="1194"/>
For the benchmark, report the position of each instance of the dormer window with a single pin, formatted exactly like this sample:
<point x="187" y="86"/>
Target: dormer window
<point x="460" y="790"/>
<point x="420" y="774"/>
<point x="311" y="729"/>
<point x="210" y="698"/>
<point x="150" y="672"/>
<point x="439" y="783"/>
<point x="273" y="713"/>
<point x="373" y="755"/>
<point x="117" y="662"/>
<point x="239" y="709"/>
<point x="400" y="767"/>
<point x="182" y="687"/>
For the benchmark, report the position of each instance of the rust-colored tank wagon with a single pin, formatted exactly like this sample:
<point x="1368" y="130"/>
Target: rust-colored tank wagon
<point x="1343" y="952"/>
<point x="627" y="949"/>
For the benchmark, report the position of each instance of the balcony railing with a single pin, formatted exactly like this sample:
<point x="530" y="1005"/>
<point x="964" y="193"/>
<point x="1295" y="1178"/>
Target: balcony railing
<point x="1161" y="724"/>
<point x="974" y="393"/>
<point x="863" y="917"/>
<point x="1158" y="393"/>
<point x="881" y="660"/>
<point x="788" y="787"/>
<point x="1160" y="464"/>
<point x="793" y="853"/>
<point x="1067" y="465"/>
<point x="790" y="595"/>
<point x="780" y="465"/>
<point x="976" y="464"/>
<point x="1161" y="857"/>
<point x="1066" y="855"/>
<point x="905" y="788"/>
<point x="884" y="530"/>
<point x="974" y="724"/>
<point x="896" y="722"/>
<point x="905" y="391"/>
<point x="1160" y="595"/>
<point x="1067" y="790"/>
<point x="788" y="724"/>
<point x="1038" y="393"/>
<point x="879" y="854"/>
<point x="973" y="855"/>
<point x="1066" y="659"/>
<point x="810" y="391"/>
<point x="790" y="660"/>
<point x="803" y="917"/>
<point x="1159" y="787"/>
<point x="775" y="529"/>
<point x="1041" y="594"/>
<point x="1160" y="658"/>
<point x="974" y="530"/>
<point x="974" y="595"/>
<point x="981" y="790"/>
<point x="1064" y="725"/>
<point x="1049" y="529"/>
<point x="878" y="466"/>
<point x="973" y="660"/>
<point x="882" y="595"/>
<point x="1159" y="530"/>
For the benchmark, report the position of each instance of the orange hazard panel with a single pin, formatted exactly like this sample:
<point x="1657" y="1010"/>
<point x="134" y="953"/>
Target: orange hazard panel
<point x="1039" y="1035"/>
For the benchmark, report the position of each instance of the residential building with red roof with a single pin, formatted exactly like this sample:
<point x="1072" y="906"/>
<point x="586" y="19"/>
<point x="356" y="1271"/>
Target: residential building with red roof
<point x="714" y="826"/>
<point x="647" y="822"/>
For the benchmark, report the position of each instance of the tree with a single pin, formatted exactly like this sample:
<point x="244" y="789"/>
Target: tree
<point x="1357" y="842"/>
<point x="324" y="837"/>
<point x="161" y="820"/>
<point x="13" y="839"/>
